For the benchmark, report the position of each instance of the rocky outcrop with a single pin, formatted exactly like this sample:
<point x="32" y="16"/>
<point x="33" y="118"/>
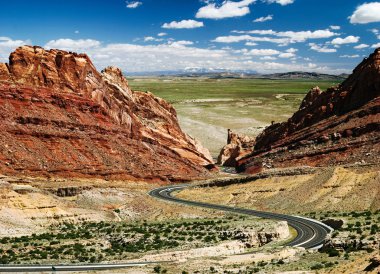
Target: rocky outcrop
<point x="333" y="223"/>
<point x="61" y="117"/>
<point x="5" y="188"/>
<point x="237" y="146"/>
<point x="338" y="126"/>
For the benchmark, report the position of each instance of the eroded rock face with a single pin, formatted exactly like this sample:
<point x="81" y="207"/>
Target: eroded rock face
<point x="60" y="116"/>
<point x="237" y="146"/>
<point x="5" y="188"/>
<point x="340" y="125"/>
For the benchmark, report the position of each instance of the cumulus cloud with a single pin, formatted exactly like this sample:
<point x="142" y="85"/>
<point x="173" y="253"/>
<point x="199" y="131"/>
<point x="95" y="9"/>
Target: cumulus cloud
<point x="133" y="4"/>
<point x="162" y="34"/>
<point x="74" y="45"/>
<point x="281" y="2"/>
<point x="263" y="52"/>
<point x="287" y="55"/>
<point x="7" y="45"/>
<point x="184" y="24"/>
<point x="228" y="9"/>
<point x="181" y="43"/>
<point x="143" y="58"/>
<point x="240" y="38"/>
<point x="361" y="46"/>
<point x="376" y="45"/>
<point x="320" y="48"/>
<point x="281" y="37"/>
<point x="347" y="40"/>
<point x="152" y="39"/>
<point x="366" y="13"/>
<point x="268" y="58"/>
<point x="251" y="44"/>
<point x="263" y="19"/>
<point x="350" y="56"/>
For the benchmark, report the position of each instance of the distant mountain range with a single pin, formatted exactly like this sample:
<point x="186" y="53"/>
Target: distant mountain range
<point x="243" y="75"/>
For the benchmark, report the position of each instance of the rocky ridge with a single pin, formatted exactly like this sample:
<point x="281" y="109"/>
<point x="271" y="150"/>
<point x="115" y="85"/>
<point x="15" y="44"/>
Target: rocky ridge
<point x="61" y="117"/>
<point x="338" y="126"/>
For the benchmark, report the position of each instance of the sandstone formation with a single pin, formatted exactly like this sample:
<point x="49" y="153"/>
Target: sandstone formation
<point x="338" y="126"/>
<point x="61" y="117"/>
<point x="237" y="146"/>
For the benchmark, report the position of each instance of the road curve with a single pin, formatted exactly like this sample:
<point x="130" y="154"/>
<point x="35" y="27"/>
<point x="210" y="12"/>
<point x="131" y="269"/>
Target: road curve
<point x="310" y="233"/>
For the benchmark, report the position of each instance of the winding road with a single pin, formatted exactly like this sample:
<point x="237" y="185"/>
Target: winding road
<point x="310" y="233"/>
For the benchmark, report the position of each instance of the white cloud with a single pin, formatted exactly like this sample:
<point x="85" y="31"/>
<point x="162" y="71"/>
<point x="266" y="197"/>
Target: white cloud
<point x="361" y="46"/>
<point x="251" y="44"/>
<point x="287" y="55"/>
<point x="141" y="58"/>
<point x="376" y="32"/>
<point x="376" y="45"/>
<point x="366" y="13"/>
<point x="292" y="50"/>
<point x="152" y="39"/>
<point x="281" y="37"/>
<point x="75" y="45"/>
<point x="133" y="4"/>
<point x="181" y="43"/>
<point x="263" y="19"/>
<point x="162" y="34"/>
<point x="335" y="27"/>
<point x="320" y="48"/>
<point x="228" y="9"/>
<point x="266" y="58"/>
<point x="184" y="24"/>
<point x="281" y="2"/>
<point x="348" y="40"/>
<point x="350" y="56"/>
<point x="298" y="36"/>
<point x="7" y="45"/>
<point x="240" y="38"/>
<point x="263" y="52"/>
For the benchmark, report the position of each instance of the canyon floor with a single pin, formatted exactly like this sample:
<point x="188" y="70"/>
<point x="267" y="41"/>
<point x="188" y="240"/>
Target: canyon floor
<point x="59" y="220"/>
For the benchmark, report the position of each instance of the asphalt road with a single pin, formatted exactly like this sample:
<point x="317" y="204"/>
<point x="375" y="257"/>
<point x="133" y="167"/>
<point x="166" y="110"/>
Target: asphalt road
<point x="310" y="233"/>
<point x="61" y="268"/>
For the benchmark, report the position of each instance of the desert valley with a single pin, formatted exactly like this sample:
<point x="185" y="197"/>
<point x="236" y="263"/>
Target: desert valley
<point x="196" y="172"/>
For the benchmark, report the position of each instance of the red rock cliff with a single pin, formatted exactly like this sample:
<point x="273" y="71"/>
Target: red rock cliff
<point x="61" y="117"/>
<point x="340" y="125"/>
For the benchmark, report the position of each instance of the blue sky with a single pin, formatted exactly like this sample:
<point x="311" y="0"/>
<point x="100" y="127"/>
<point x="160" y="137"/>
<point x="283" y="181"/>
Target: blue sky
<point x="157" y="35"/>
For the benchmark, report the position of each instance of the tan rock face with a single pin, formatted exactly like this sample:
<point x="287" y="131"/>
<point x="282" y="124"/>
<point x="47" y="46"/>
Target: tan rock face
<point x="60" y="116"/>
<point x="340" y="125"/>
<point x="5" y="188"/>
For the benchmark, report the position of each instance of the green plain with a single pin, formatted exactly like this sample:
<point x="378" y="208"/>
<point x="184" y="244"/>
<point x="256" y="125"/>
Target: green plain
<point x="178" y="89"/>
<point x="206" y="107"/>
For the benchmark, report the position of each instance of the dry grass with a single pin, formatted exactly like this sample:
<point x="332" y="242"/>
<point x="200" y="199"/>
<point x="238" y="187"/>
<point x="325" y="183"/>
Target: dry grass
<point x="333" y="189"/>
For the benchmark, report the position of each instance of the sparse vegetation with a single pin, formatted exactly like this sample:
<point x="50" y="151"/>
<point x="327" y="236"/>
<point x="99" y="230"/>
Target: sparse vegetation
<point x="95" y="242"/>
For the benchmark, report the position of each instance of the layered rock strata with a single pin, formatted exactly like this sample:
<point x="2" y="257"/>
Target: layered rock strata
<point x="61" y="117"/>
